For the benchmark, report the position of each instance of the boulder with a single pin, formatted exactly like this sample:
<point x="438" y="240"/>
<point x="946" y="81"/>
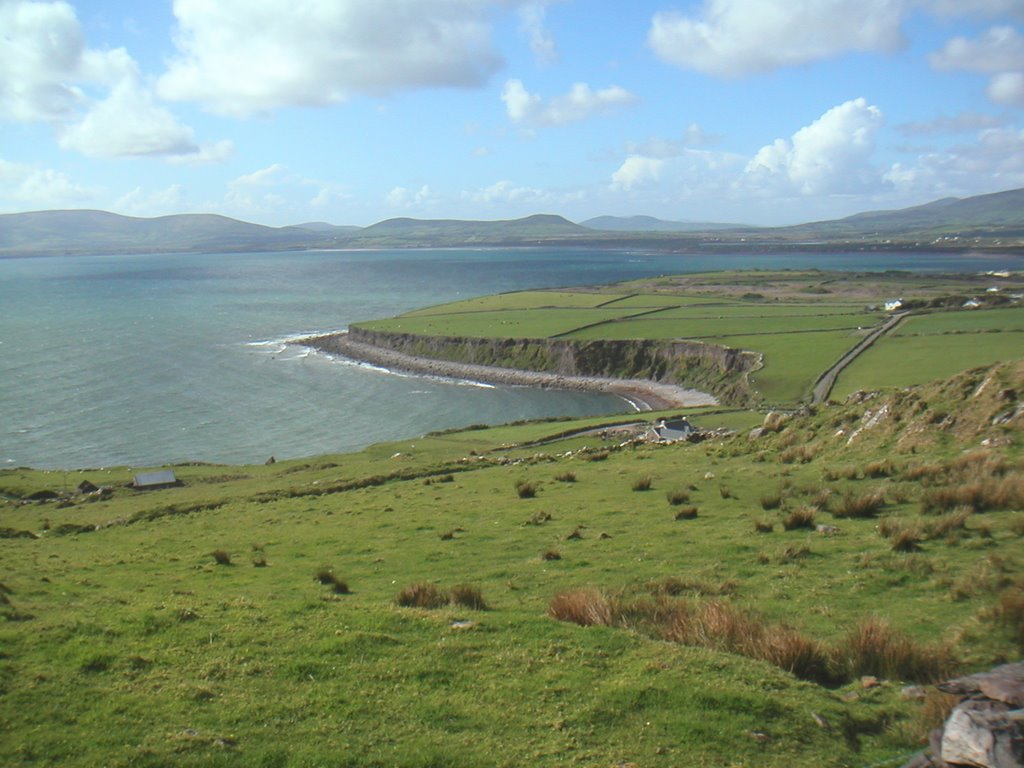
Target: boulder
<point x="984" y="734"/>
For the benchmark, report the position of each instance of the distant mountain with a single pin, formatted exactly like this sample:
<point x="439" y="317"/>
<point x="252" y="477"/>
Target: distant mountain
<point x="1000" y="214"/>
<point x="651" y="224"/>
<point x="986" y="220"/>
<point x="323" y="226"/>
<point x="458" y="232"/>
<point x="77" y="232"/>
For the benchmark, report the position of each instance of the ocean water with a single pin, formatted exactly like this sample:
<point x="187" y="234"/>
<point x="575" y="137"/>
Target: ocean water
<point x="158" y="359"/>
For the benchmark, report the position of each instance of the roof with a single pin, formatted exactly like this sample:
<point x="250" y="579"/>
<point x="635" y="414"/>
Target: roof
<point x="154" y="479"/>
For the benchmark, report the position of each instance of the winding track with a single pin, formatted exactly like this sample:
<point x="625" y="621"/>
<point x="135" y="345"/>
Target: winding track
<point x="827" y="380"/>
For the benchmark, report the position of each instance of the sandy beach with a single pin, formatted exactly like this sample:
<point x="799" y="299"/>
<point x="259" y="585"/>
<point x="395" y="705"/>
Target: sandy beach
<point x="641" y="394"/>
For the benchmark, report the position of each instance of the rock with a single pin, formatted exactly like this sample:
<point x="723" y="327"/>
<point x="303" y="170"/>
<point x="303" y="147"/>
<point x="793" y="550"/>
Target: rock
<point x="755" y="433"/>
<point x="43" y="496"/>
<point x="827" y="530"/>
<point x="86" y="487"/>
<point x="270" y="461"/>
<point x="984" y="734"/>
<point x="912" y="693"/>
<point x="1004" y="683"/>
<point x="821" y="722"/>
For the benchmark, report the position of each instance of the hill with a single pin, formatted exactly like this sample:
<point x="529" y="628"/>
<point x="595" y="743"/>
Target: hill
<point x="82" y="231"/>
<point x="404" y="231"/>
<point x="652" y="224"/>
<point x="537" y="594"/>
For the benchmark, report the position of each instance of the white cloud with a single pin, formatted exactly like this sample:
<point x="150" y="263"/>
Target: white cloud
<point x="737" y="37"/>
<point x="140" y="202"/>
<point x="1007" y="88"/>
<point x="40" y="59"/>
<point x="580" y="103"/>
<point x="400" y="197"/>
<point x="94" y="99"/>
<point x="507" y="192"/>
<point x="999" y="50"/>
<point x="128" y="123"/>
<point x="241" y="57"/>
<point x="964" y="122"/>
<point x="531" y="19"/>
<point x="831" y="155"/>
<point x="206" y="154"/>
<point x="25" y="186"/>
<point x="994" y="160"/>
<point x="637" y="170"/>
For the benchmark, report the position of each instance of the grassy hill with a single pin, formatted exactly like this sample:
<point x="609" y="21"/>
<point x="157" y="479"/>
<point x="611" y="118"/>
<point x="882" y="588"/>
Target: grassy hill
<point x="486" y="597"/>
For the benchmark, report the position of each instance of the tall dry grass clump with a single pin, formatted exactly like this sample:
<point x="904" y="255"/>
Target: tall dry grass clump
<point x="801" y="517"/>
<point x="643" y="483"/>
<point x="526" y="489"/>
<point x="863" y="505"/>
<point x="978" y="495"/>
<point x="873" y="647"/>
<point x="468" y="596"/>
<point x="584" y="606"/>
<point x="422" y="595"/>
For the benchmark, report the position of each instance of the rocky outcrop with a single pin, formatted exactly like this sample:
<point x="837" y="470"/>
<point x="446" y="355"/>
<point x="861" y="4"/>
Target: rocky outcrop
<point x="986" y="729"/>
<point x="716" y="369"/>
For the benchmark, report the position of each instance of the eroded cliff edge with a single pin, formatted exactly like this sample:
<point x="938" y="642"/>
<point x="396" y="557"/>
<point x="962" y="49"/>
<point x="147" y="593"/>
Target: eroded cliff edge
<point x="720" y="371"/>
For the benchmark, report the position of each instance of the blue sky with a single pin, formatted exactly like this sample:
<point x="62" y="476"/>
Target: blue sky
<point x="354" y="111"/>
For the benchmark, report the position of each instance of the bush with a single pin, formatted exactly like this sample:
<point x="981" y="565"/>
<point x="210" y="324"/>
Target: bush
<point x="642" y="483"/>
<point x="677" y="497"/>
<point x="221" y="557"/>
<point x="585" y="606"/>
<point x="468" y="596"/>
<point x="422" y="595"/>
<point x="802" y="517"/>
<point x="526" y="489"/>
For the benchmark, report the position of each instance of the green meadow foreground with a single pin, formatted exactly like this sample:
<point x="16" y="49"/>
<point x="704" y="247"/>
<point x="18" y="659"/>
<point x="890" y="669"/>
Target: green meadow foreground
<point x="536" y="594"/>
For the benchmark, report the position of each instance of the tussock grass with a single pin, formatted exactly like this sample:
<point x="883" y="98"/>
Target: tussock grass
<point x="566" y="477"/>
<point x="980" y="495"/>
<point x="422" y="595"/>
<point x="643" y="483"/>
<point x="686" y="513"/>
<point x="468" y="596"/>
<point x="221" y="557"/>
<point x="801" y="517"/>
<point x="763" y="526"/>
<point x="770" y="501"/>
<point x="326" y="576"/>
<point x="584" y="606"/>
<point x="526" y="489"/>
<point x="677" y="497"/>
<point x="551" y="554"/>
<point x="907" y="540"/>
<point x="873" y="647"/>
<point x="863" y="505"/>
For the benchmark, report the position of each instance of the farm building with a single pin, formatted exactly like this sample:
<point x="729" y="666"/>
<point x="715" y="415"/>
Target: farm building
<point x="149" y="481"/>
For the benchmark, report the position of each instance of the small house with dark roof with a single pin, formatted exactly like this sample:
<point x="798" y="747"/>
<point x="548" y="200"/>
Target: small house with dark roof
<point x="149" y="481"/>
<point x="673" y="431"/>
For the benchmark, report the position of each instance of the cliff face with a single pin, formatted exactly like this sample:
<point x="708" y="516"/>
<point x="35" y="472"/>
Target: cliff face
<point x="719" y="370"/>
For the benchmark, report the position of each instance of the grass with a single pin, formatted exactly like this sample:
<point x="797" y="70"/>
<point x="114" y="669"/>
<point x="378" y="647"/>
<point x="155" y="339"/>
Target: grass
<point x="124" y="643"/>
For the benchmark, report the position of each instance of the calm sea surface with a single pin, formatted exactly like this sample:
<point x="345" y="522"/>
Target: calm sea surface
<point x="156" y="359"/>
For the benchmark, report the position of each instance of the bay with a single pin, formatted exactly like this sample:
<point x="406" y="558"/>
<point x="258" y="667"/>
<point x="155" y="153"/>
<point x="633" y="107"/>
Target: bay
<point x="166" y="358"/>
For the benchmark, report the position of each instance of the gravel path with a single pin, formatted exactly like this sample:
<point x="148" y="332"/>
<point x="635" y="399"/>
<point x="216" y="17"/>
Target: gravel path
<point x="642" y="394"/>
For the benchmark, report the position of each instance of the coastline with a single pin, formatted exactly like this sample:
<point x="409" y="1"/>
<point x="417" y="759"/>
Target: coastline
<point x="641" y="394"/>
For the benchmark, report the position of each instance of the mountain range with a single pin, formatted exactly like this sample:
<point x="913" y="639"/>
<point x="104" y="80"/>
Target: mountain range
<point x="993" y="220"/>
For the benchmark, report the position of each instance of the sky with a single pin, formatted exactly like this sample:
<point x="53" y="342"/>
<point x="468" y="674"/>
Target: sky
<point x="766" y="112"/>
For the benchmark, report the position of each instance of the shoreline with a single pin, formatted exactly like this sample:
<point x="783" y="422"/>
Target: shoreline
<point x="641" y="394"/>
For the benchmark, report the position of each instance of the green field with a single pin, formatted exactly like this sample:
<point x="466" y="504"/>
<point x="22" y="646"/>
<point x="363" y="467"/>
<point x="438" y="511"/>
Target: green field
<point x="130" y="645"/>
<point x="935" y="346"/>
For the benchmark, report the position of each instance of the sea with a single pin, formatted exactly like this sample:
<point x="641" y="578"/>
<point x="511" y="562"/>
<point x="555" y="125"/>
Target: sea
<point x="160" y="359"/>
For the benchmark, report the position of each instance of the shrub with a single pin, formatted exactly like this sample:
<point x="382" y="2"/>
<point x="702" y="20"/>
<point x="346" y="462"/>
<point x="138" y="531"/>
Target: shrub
<point x="221" y="557"/>
<point x="585" y="606"/>
<point x="859" y="506"/>
<point x="526" y="489"/>
<point x="677" y="497"/>
<point x="566" y="477"/>
<point x="802" y="517"/>
<point x="468" y="596"/>
<point x="642" y="483"/>
<point x="873" y="647"/>
<point x="422" y="595"/>
<point x="686" y="513"/>
<point x="327" y="577"/>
